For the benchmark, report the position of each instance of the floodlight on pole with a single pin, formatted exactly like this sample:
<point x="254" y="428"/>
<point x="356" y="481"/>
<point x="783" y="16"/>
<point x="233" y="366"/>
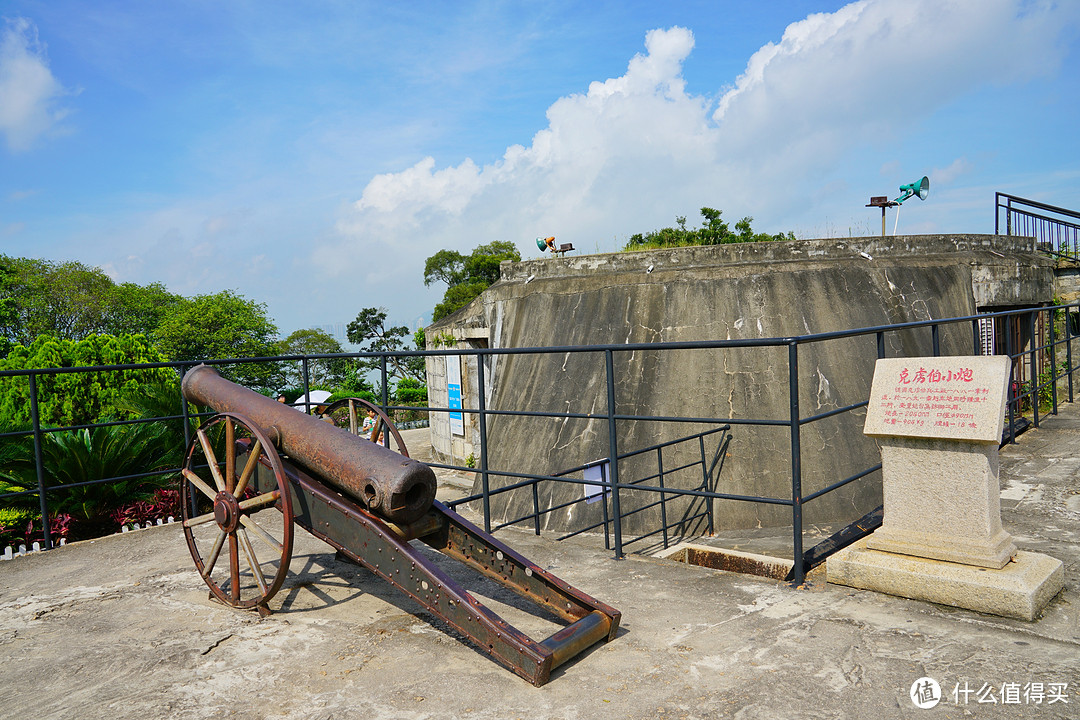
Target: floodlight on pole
<point x="921" y="188"/>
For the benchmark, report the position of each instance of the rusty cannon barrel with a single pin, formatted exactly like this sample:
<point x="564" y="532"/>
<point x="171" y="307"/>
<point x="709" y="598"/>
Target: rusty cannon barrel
<point x="391" y="485"/>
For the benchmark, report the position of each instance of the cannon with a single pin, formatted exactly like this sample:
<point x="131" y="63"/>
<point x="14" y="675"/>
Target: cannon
<point x="258" y="468"/>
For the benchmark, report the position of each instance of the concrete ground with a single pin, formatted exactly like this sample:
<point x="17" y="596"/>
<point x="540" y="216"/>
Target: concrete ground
<point x="121" y="627"/>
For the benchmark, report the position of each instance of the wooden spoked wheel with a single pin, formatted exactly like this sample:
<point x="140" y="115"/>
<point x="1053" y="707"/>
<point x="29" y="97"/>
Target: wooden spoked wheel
<point x="238" y="518"/>
<point x="349" y="413"/>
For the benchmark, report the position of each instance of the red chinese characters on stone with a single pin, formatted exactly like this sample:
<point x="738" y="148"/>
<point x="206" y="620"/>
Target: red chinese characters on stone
<point x="924" y="376"/>
<point x="934" y="398"/>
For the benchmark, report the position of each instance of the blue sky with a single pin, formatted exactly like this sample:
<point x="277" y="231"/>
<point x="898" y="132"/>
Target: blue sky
<point x="312" y="155"/>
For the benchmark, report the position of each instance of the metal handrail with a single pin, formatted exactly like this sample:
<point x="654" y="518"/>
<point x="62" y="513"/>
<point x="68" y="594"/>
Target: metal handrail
<point x="1033" y="358"/>
<point x="1054" y="233"/>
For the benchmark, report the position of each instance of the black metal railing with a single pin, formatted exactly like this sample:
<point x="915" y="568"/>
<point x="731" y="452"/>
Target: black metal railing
<point x="708" y="464"/>
<point x="1037" y="358"/>
<point x="1043" y="371"/>
<point x="1056" y="230"/>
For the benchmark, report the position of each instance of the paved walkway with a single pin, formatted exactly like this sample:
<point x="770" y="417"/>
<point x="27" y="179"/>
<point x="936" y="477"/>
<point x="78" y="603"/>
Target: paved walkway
<point x="121" y="628"/>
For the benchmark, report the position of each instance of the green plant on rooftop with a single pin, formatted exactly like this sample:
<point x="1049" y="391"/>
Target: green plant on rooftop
<point x="713" y="231"/>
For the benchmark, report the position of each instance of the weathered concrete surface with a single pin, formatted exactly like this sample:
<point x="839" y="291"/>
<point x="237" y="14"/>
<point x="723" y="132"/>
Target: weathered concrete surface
<point x="122" y="628"/>
<point x="727" y="292"/>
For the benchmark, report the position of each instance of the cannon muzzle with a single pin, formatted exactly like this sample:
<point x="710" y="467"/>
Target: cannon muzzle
<point x="390" y="485"/>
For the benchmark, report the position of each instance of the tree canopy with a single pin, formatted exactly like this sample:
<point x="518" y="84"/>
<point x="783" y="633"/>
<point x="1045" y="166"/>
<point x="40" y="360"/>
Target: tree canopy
<point x="713" y="231"/>
<point x="64" y="300"/>
<point x="370" y="331"/>
<point x="221" y="325"/>
<point x="313" y="341"/>
<point x="466" y="276"/>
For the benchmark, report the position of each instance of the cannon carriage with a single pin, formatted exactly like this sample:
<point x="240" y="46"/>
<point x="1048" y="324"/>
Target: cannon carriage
<point x="259" y="468"/>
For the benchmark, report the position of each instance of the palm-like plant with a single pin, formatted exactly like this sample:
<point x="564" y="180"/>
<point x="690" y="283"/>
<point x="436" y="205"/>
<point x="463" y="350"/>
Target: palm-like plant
<point x="160" y="400"/>
<point x="81" y="456"/>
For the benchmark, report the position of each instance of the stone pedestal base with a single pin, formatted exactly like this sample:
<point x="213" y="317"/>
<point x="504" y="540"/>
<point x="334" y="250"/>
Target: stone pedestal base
<point x="1021" y="589"/>
<point x="993" y="552"/>
<point x="942" y="502"/>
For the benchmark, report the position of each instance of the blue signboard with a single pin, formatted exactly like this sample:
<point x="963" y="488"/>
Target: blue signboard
<point x="453" y="386"/>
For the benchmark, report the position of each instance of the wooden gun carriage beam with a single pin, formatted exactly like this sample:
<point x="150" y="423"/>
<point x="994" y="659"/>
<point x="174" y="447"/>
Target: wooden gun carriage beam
<point x="241" y="499"/>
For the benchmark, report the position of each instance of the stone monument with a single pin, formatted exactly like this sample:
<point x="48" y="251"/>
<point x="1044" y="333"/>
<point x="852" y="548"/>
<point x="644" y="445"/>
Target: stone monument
<point x="939" y="421"/>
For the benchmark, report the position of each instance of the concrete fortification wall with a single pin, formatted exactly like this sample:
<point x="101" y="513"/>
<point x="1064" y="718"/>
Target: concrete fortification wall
<point x="743" y="291"/>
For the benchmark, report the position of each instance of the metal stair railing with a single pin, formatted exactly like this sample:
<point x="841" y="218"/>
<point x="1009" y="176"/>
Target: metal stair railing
<point x="1056" y="230"/>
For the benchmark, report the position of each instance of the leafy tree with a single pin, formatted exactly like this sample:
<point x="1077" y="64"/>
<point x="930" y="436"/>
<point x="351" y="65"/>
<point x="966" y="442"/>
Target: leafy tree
<point x="76" y="398"/>
<point x="370" y="331"/>
<point x="8" y="307"/>
<point x="713" y="231"/>
<point x="447" y="266"/>
<point x="70" y="301"/>
<point x="457" y="297"/>
<point x="67" y="300"/>
<point x="222" y="325"/>
<point x="409" y="391"/>
<point x="483" y="262"/>
<point x="466" y="276"/>
<point x="313" y="341"/>
<point x="139" y="309"/>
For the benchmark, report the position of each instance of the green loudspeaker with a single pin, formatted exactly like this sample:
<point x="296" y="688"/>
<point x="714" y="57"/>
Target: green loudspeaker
<point x="540" y="244"/>
<point x="920" y="188"/>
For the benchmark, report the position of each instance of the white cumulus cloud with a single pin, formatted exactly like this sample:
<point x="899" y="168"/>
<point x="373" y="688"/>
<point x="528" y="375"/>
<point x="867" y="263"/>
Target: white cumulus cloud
<point x="29" y="94"/>
<point x="634" y="151"/>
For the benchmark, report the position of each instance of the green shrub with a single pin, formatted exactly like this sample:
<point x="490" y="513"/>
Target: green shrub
<point x="362" y="394"/>
<point x="13" y="523"/>
<point x="411" y="396"/>
<point x="76" y="398"/>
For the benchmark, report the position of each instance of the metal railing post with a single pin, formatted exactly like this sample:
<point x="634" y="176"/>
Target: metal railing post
<point x="613" y="453"/>
<point x="705" y="484"/>
<point x="307" y="386"/>
<point x="1068" y="351"/>
<point x="536" y="507"/>
<point x="184" y="410"/>
<point x="1013" y="403"/>
<point x="1053" y="359"/>
<point x="663" y="495"/>
<point x="880" y="344"/>
<point x="385" y="395"/>
<point x="606" y="475"/>
<point x="935" y="339"/>
<point x="484" y="478"/>
<point x="192" y="499"/>
<point x="43" y="503"/>
<point x="1033" y="366"/>
<point x="799" y="575"/>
